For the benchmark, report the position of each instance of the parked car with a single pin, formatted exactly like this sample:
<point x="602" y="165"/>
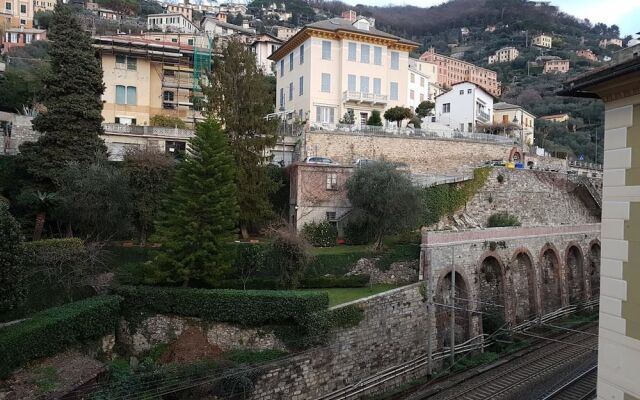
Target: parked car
<point x="320" y="160"/>
<point x="361" y="162"/>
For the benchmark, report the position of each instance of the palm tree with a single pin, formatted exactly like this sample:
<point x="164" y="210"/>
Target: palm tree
<point x="45" y="201"/>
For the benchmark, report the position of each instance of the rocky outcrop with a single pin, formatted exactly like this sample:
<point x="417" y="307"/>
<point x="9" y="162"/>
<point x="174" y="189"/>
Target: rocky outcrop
<point x="399" y="273"/>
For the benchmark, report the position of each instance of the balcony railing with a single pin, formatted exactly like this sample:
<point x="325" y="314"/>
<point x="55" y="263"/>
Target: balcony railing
<point x="427" y="133"/>
<point x="362" y="97"/>
<point x="147" y="131"/>
<point x="483" y="116"/>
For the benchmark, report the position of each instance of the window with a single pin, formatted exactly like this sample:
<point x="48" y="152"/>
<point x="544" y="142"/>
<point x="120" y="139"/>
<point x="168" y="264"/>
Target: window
<point x="462" y="127"/>
<point x="377" y="55"/>
<point x="7" y="6"/>
<point x="505" y="119"/>
<point x="325" y="114"/>
<point x="462" y="91"/>
<point x="326" y="50"/>
<point x="393" y="91"/>
<point x="412" y="94"/>
<point x="167" y="98"/>
<point x="331" y="216"/>
<point x="302" y="54"/>
<point x="470" y="126"/>
<point x="190" y="42"/>
<point x="351" y="53"/>
<point x="364" y="84"/>
<point x="132" y="63"/>
<point x="282" y="98"/>
<point x="281" y="68"/>
<point x="446" y="108"/>
<point x="413" y="77"/>
<point x="291" y="61"/>
<point x="395" y="60"/>
<point x="332" y="184"/>
<point x="23" y="8"/>
<point x="325" y="84"/>
<point x="121" y="95"/>
<point x="28" y="37"/>
<point x="421" y="97"/>
<point x="469" y="91"/>
<point x="351" y="83"/>
<point x="421" y="81"/>
<point x="364" y="53"/>
<point x="301" y="86"/>
<point x="120" y="59"/>
<point x="132" y="96"/>
<point x="377" y="86"/>
<point x="290" y="91"/>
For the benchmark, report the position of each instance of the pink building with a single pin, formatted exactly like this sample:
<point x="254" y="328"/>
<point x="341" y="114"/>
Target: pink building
<point x="452" y="71"/>
<point x="556" y="67"/>
<point x="19" y="37"/>
<point x="587" y="53"/>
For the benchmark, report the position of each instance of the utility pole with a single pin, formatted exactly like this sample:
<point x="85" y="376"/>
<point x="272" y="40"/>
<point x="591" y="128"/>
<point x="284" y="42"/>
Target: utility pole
<point x="453" y="309"/>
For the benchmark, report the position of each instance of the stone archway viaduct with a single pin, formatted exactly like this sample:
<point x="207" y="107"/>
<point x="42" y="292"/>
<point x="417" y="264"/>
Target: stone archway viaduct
<point x="508" y="274"/>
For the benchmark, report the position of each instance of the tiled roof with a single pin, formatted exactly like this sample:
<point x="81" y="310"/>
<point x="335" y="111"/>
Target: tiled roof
<point x="337" y="24"/>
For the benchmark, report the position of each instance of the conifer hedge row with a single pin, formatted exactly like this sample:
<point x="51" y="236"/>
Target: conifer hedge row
<point x="245" y="307"/>
<point x="53" y="330"/>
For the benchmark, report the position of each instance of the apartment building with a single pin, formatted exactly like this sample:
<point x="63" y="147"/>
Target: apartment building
<point x="516" y="120"/>
<point x="339" y="65"/>
<point x="542" y="41"/>
<point x="144" y="77"/>
<point x="105" y="13"/>
<point x="20" y="37"/>
<point x="556" y="67"/>
<point x="610" y="42"/>
<point x="421" y="84"/>
<point x="18" y="13"/>
<point x="505" y="54"/>
<point x="564" y="117"/>
<point x="467" y="107"/>
<point x="452" y="71"/>
<point x="263" y="46"/>
<point x="190" y="39"/>
<point x="218" y="27"/>
<point x="43" y="5"/>
<point x="284" y="32"/>
<point x="619" y="327"/>
<point x="170" y="22"/>
<point x="179" y="8"/>
<point x="587" y="53"/>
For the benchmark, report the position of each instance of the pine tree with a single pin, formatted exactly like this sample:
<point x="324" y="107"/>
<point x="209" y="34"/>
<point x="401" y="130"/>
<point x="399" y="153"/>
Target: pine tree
<point x="71" y="124"/>
<point x="12" y="283"/>
<point x="199" y="218"/>
<point x="239" y="98"/>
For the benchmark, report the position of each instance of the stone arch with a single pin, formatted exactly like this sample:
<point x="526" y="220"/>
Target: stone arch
<point x="463" y="307"/>
<point x="574" y="272"/>
<point x="491" y="290"/>
<point x="550" y="283"/>
<point x="523" y="277"/>
<point x="594" y="267"/>
<point x="516" y="155"/>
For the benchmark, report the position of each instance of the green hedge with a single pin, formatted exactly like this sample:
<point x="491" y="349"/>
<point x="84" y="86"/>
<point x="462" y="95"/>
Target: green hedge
<point x="316" y="282"/>
<point x="53" y="330"/>
<point x="502" y="219"/>
<point x="246" y="307"/>
<point x="335" y="264"/>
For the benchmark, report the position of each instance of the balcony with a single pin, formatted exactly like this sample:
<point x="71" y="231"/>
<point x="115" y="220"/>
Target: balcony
<point x="362" y="97"/>
<point x="147" y="131"/>
<point x="483" y="116"/>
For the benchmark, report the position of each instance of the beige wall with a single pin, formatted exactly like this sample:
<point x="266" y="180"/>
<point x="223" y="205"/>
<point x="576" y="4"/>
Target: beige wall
<point x="19" y="18"/>
<point x="528" y="126"/>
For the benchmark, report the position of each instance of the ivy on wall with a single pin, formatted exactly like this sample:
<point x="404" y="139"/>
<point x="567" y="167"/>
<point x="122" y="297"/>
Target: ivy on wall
<point x="442" y="200"/>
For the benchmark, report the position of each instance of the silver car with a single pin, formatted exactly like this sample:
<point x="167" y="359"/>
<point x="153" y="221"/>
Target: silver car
<point x="320" y="160"/>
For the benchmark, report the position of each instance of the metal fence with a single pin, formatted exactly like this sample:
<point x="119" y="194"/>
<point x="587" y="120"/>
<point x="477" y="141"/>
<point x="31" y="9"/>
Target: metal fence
<point x="410" y="132"/>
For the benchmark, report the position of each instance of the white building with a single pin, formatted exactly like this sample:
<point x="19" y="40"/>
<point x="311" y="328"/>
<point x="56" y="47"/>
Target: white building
<point x="218" y="27"/>
<point x="263" y="46"/>
<point x="421" y="84"/>
<point x="466" y="107"/>
<point x="542" y="41"/>
<point x="505" y="54"/>
<point x="340" y="65"/>
<point x="170" y="22"/>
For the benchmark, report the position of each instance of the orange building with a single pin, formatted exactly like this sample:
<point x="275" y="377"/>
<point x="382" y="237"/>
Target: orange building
<point x="556" y="67"/>
<point x="452" y="71"/>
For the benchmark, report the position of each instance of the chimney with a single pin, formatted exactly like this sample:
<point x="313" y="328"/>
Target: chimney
<point x="349" y="15"/>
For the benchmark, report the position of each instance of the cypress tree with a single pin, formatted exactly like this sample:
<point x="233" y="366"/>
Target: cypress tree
<point x="198" y="219"/>
<point x="12" y="283"/>
<point x="71" y="124"/>
<point x="240" y="98"/>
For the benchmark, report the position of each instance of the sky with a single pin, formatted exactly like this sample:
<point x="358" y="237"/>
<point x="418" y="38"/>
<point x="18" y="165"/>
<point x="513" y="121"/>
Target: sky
<point x="624" y="13"/>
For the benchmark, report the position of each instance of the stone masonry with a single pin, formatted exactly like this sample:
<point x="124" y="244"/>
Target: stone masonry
<point x="517" y="273"/>
<point x="394" y="330"/>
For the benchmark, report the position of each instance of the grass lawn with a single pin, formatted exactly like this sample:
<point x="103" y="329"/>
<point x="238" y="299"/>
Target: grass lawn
<point x="345" y="295"/>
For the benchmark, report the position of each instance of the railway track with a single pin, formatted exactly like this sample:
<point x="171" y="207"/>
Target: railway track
<point x="514" y="380"/>
<point x="582" y="387"/>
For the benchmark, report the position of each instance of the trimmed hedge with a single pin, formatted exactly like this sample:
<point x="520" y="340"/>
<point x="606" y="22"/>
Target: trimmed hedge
<point x="245" y="307"/>
<point x="53" y="330"/>
<point x="320" y="234"/>
<point x="323" y="282"/>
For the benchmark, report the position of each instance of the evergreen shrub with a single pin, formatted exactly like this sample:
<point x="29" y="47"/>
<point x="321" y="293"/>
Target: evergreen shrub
<point x="320" y="234"/>
<point x="502" y="219"/>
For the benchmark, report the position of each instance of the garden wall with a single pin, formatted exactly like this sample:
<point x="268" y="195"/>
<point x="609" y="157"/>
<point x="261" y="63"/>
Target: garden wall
<point x="393" y="330"/>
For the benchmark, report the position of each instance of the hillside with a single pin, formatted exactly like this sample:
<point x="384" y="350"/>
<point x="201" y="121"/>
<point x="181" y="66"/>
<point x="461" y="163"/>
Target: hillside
<point x="515" y="22"/>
